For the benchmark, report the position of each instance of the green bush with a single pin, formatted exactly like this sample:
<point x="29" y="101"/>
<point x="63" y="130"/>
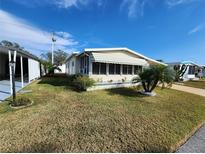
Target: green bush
<point x="83" y="82"/>
<point x="71" y="78"/>
<point x="21" y="101"/>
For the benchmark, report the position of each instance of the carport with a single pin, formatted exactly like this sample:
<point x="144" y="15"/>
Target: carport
<point x="27" y="69"/>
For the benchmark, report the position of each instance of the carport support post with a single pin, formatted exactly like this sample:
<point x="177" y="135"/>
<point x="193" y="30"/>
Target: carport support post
<point x="22" y="72"/>
<point x="13" y="82"/>
<point x="10" y="74"/>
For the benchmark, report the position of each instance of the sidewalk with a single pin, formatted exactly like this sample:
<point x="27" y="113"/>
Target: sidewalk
<point x="192" y="90"/>
<point x="196" y="144"/>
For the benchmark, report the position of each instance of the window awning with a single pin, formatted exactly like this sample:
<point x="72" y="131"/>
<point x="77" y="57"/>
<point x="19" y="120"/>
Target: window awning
<point x="117" y="58"/>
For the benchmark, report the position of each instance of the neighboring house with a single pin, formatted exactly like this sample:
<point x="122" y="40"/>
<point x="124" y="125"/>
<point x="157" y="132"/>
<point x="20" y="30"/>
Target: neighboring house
<point x="63" y="68"/>
<point x="108" y="66"/>
<point x="193" y="71"/>
<point x="27" y="66"/>
<point x="203" y="70"/>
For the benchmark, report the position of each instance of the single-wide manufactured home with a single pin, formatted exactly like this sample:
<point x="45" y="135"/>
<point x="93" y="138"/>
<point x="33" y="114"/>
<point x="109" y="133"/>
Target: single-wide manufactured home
<point x="192" y="70"/>
<point x="27" y="69"/>
<point x="109" y="67"/>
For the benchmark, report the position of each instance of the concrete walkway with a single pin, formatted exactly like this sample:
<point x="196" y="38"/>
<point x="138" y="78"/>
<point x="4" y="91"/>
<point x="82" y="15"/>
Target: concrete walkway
<point x="5" y="88"/>
<point x="196" y="144"/>
<point x="192" y="90"/>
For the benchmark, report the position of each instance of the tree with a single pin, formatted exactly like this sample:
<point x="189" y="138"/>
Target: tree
<point x="15" y="45"/>
<point x="150" y="77"/>
<point x="59" y="57"/>
<point x="180" y="71"/>
<point x="6" y="43"/>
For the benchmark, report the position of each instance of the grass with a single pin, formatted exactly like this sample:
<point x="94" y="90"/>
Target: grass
<point x="118" y="120"/>
<point x="196" y="84"/>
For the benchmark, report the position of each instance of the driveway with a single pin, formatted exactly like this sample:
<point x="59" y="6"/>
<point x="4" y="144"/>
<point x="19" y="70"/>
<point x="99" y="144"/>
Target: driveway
<point x="5" y="88"/>
<point x="187" y="89"/>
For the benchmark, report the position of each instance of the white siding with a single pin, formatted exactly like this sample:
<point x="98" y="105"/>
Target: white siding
<point x="71" y="66"/>
<point x="113" y="78"/>
<point x="34" y="69"/>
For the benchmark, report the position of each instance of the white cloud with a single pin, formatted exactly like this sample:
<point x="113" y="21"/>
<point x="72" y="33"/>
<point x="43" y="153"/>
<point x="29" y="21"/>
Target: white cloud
<point x="76" y="3"/>
<point x="172" y="3"/>
<point x="66" y="3"/>
<point x="196" y="29"/>
<point x="18" y="30"/>
<point x="135" y="8"/>
<point x="62" y="4"/>
<point x="62" y="34"/>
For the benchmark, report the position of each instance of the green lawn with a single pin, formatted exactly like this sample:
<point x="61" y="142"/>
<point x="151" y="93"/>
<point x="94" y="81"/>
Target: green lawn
<point x="196" y="84"/>
<point x="118" y="120"/>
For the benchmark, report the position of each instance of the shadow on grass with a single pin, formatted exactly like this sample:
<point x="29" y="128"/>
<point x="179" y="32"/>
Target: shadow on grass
<point x="60" y="81"/>
<point x="39" y="148"/>
<point x="130" y="92"/>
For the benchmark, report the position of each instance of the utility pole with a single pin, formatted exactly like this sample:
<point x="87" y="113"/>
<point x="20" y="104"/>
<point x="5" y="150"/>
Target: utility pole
<point x="53" y="42"/>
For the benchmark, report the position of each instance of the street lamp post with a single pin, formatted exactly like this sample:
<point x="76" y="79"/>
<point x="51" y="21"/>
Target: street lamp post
<point x="12" y="65"/>
<point x="53" y="41"/>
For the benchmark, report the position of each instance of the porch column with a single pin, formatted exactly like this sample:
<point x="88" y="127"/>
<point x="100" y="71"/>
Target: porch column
<point x="22" y="83"/>
<point x="133" y="69"/>
<point x="90" y="67"/>
<point x="121" y="69"/>
<point x="107" y="69"/>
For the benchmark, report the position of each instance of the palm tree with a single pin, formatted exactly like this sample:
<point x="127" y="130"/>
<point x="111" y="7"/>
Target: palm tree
<point x="153" y="75"/>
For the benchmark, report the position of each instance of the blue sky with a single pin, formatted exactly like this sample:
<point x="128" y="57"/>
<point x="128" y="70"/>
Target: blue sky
<point x="172" y="30"/>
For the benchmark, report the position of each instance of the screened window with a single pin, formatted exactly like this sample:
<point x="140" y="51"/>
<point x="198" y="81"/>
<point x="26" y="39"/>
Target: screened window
<point x="191" y="69"/>
<point x="102" y="68"/>
<point x="137" y="69"/>
<point x="114" y="68"/>
<point x="96" y="68"/>
<point x="111" y="68"/>
<point x="84" y="67"/>
<point x="99" y="68"/>
<point x="117" y="69"/>
<point x="124" y="69"/>
<point x="129" y="69"/>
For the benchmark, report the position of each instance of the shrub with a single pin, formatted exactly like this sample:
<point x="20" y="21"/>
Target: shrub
<point x="21" y="101"/>
<point x="83" y="82"/>
<point x="71" y="78"/>
<point x="150" y="77"/>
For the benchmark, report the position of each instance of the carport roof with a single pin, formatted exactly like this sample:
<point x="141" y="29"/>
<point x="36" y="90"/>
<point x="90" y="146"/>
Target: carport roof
<point x="22" y="52"/>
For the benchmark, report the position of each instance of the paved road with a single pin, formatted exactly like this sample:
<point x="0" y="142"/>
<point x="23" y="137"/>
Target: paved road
<point x="196" y="144"/>
<point x="192" y="90"/>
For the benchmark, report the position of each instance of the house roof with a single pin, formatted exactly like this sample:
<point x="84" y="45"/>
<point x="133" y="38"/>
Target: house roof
<point x="188" y="62"/>
<point x="117" y="58"/>
<point x="123" y="49"/>
<point x="25" y="53"/>
<point x="71" y="55"/>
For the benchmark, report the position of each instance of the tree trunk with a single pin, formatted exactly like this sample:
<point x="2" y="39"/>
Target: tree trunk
<point x="154" y="85"/>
